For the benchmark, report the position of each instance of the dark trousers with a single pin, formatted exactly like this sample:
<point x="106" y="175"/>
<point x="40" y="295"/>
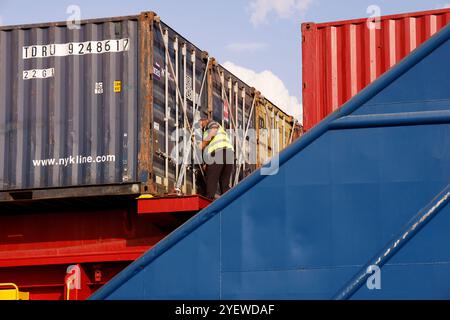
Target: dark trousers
<point x="220" y="172"/>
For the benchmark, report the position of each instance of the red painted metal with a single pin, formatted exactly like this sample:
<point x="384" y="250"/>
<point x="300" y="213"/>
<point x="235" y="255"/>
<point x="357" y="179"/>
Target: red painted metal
<point x="76" y="283"/>
<point x="75" y="237"/>
<point x="341" y="58"/>
<point x="36" y="248"/>
<point x="47" y="282"/>
<point x="172" y="204"/>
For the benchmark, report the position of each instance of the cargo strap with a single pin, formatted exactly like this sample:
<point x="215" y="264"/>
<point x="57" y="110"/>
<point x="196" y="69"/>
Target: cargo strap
<point x="292" y="130"/>
<point x="224" y="95"/>
<point x="268" y="125"/>
<point x="241" y="153"/>
<point x="190" y="128"/>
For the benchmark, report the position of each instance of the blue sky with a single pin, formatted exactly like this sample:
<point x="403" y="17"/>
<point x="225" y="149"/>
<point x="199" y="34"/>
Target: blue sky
<point x="256" y="35"/>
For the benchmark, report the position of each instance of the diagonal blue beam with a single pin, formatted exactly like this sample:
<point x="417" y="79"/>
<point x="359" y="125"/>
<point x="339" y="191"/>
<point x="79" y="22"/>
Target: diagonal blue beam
<point x="396" y="243"/>
<point x="392" y="119"/>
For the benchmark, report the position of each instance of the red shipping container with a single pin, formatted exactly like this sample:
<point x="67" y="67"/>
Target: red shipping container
<point x="341" y="58"/>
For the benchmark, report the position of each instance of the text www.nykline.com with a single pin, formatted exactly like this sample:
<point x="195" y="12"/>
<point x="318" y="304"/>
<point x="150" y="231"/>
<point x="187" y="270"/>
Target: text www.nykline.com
<point x="73" y="160"/>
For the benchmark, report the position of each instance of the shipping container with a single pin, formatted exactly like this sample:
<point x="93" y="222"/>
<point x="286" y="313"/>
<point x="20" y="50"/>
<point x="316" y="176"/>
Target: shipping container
<point x="359" y="208"/>
<point x="274" y="130"/>
<point x="105" y="105"/>
<point x="341" y="58"/>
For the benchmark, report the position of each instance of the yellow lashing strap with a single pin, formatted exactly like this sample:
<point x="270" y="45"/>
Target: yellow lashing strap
<point x="10" y="291"/>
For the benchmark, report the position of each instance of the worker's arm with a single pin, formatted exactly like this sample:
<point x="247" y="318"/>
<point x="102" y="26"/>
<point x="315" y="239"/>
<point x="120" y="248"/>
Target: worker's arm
<point x="211" y="134"/>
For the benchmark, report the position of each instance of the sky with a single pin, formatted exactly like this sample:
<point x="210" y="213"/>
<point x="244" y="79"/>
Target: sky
<point x="258" y="40"/>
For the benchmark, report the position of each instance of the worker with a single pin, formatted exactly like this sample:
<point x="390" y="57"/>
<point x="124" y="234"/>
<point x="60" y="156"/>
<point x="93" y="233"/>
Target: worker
<point x="218" y="154"/>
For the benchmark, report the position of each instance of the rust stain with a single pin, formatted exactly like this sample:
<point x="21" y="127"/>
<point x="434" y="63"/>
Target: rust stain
<point x="146" y="149"/>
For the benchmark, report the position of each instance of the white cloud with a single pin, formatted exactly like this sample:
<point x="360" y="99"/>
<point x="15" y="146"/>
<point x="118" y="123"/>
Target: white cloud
<point x="284" y="9"/>
<point x="246" y="46"/>
<point x="270" y="86"/>
<point x="447" y="5"/>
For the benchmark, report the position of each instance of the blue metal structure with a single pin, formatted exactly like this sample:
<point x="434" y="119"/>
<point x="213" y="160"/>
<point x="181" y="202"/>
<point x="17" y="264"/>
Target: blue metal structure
<point x="368" y="186"/>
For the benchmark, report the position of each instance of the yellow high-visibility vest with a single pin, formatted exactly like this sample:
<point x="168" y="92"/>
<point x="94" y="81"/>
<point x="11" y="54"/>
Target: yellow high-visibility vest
<point x="219" y="141"/>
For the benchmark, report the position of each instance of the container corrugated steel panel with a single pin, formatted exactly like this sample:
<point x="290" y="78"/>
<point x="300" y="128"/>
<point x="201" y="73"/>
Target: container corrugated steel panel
<point x="106" y="90"/>
<point x="369" y="185"/>
<point x="341" y="58"/>
<point x="274" y="130"/>
<point x="61" y="116"/>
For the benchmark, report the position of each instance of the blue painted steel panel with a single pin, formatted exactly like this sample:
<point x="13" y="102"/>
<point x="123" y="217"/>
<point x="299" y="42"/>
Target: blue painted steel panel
<point x="343" y="193"/>
<point x="151" y="282"/>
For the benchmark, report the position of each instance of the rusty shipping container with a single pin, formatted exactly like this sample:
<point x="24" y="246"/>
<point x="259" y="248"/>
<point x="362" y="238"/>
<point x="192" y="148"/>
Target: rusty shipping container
<point x="99" y="106"/>
<point x="341" y="58"/>
<point x="275" y="130"/>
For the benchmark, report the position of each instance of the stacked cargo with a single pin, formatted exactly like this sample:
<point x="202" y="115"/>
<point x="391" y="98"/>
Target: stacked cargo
<point x="92" y="117"/>
<point x="109" y="104"/>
